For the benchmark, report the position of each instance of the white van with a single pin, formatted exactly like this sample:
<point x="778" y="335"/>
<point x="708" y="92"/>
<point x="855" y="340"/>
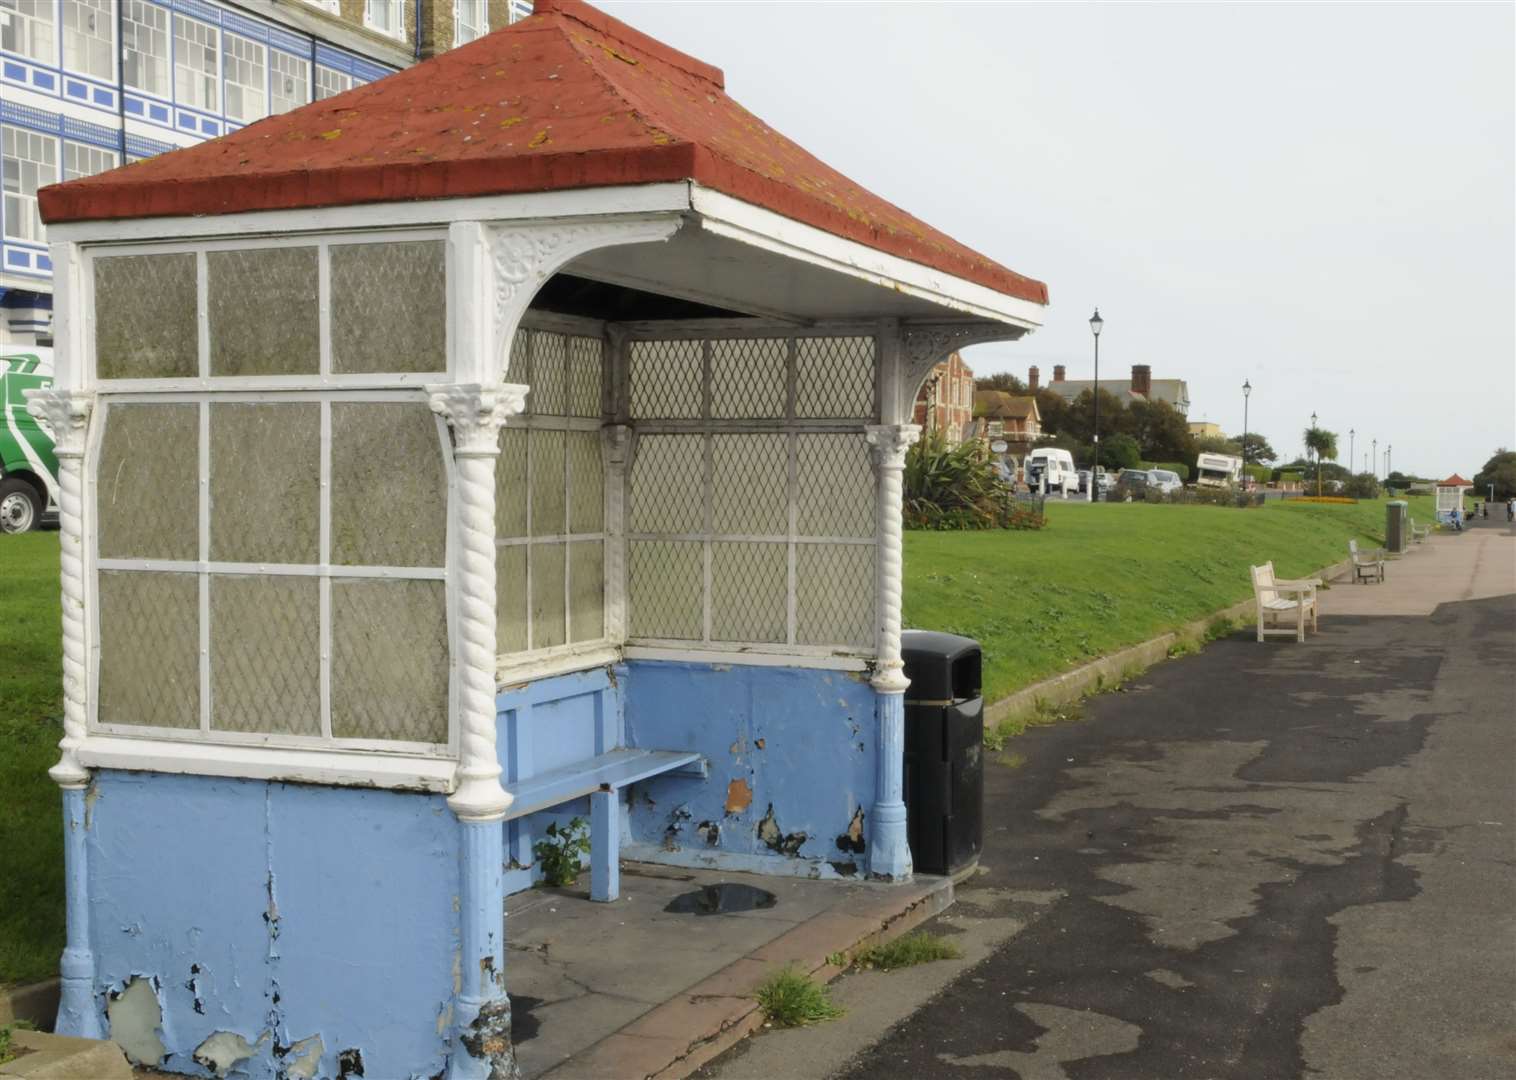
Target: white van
<point x="1057" y="465"/>
<point x="1217" y="470"/>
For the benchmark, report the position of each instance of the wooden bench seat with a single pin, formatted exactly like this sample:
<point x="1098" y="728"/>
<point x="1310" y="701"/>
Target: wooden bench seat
<point x="1277" y="598"/>
<point x="1368" y="567"/>
<point x="601" y="778"/>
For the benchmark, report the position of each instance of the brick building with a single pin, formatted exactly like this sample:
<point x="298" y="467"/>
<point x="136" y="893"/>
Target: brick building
<point x="945" y="401"/>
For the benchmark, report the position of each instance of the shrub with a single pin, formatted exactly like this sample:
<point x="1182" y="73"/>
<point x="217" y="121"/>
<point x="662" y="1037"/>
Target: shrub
<point x="1361" y="486"/>
<point x="790" y="998"/>
<point x="559" y="852"/>
<point x="958" y="488"/>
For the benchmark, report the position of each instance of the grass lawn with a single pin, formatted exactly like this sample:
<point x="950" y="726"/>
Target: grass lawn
<point x="1100" y="578"/>
<point x="31" y="814"/>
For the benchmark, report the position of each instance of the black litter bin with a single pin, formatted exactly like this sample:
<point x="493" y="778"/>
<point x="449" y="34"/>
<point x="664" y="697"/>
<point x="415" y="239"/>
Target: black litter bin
<point x="944" y="751"/>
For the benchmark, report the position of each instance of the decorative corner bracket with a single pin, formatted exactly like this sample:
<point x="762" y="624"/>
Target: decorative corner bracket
<point x="924" y="345"/>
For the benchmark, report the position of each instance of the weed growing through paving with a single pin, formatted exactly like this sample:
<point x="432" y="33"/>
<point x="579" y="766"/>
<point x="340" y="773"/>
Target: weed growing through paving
<point x="1043" y="714"/>
<point x="790" y="998"/>
<point x="908" y="951"/>
<point x="7" y="1032"/>
<point x="559" y="853"/>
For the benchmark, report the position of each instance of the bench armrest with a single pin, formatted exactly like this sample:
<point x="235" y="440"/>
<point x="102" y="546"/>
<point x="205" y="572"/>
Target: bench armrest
<point x="1309" y="582"/>
<point x="1293" y="587"/>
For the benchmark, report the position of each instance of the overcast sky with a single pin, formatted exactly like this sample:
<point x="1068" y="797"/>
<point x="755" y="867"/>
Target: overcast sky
<point x="1318" y="199"/>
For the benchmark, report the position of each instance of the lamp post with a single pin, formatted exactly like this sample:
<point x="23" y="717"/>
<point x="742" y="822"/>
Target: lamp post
<point x="1247" y="389"/>
<point x="1318" y="458"/>
<point x="1351" y="433"/>
<point x="1096" y="325"/>
<point x="1376" y="459"/>
<point x="1387" y="449"/>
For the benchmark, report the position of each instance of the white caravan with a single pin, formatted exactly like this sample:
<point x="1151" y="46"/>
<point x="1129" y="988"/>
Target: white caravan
<point x="1057" y="465"/>
<point x="1217" y="470"/>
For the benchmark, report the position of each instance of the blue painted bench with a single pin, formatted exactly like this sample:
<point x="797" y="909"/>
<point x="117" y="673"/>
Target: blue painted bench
<point x="601" y="778"/>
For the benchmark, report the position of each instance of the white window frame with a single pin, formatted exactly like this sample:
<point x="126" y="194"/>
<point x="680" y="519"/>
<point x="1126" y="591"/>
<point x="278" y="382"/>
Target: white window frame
<point x="29" y="151"/>
<point x="146" y="35"/>
<point x="330" y="82"/>
<point x="90" y="51"/>
<point x="82" y="159"/>
<point x="192" y="73"/>
<point x="32" y="27"/>
<point x="241" y="57"/>
<point x="385" y="17"/>
<point x="216" y="752"/>
<point x="471" y="20"/>
<point x="331" y="7"/>
<point x="281" y="66"/>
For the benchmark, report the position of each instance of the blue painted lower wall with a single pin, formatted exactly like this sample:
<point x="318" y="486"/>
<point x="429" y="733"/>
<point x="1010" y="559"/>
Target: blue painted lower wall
<point x="317" y="925"/>
<point x="792" y="766"/>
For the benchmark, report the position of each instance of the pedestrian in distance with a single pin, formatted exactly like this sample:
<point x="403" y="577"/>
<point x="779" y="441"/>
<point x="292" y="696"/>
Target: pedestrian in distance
<point x="1486" y="513"/>
<point x="1510" y="509"/>
<point x="1457" y="519"/>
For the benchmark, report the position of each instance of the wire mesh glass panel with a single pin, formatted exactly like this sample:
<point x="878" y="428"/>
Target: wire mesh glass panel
<point x="146" y="317"/>
<point x="518" y="368"/>
<point x="750" y="484"/>
<point x="585" y="362"/>
<point x="666" y="378"/>
<point x="147" y="482"/>
<point x="510" y="599"/>
<point x="389" y="660"/>
<point x="586" y="590"/>
<point x="834" y="377"/>
<point x="834" y="485"/>
<point x="834" y="594"/>
<point x="548" y="618"/>
<point x="586" y="483"/>
<point x="748" y="377"/>
<point x="149" y="649"/>
<point x="547" y="483"/>
<point x="510" y="484"/>
<point x="266" y="654"/>
<point x="749" y="592"/>
<point x="263" y="311"/>
<point x="389" y="485"/>
<point x="665" y="585"/>
<point x="389" y="307"/>
<point x="666" y="489"/>
<point x="265" y="482"/>
<point x="549" y="384"/>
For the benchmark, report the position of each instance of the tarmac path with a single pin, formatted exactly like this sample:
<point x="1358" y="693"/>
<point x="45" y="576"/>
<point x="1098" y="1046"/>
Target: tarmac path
<point x="1262" y="861"/>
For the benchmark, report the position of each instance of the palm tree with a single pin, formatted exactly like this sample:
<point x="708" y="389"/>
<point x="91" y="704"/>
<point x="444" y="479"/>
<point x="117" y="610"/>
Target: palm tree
<point x="1322" y="443"/>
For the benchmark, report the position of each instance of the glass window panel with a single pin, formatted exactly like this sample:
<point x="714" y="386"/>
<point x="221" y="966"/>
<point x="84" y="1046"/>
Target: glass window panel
<point x="246" y="78"/>
<point x="30" y="161"/>
<point x="547" y="482"/>
<point x="389" y="486"/>
<point x="834" y="594"/>
<point x="88" y="37"/>
<point x="584" y="376"/>
<point x="149" y="649"/>
<point x="748" y="377"/>
<point x="549" y="382"/>
<point x="510" y="484"/>
<point x="665" y="580"/>
<point x="586" y="483"/>
<point x="389" y="307"/>
<point x="390" y="660"/>
<point x="834" y="377"/>
<point x="197" y="64"/>
<point x="667" y="485"/>
<point x="510" y="599"/>
<point x="750" y="484"/>
<point x="518" y="369"/>
<point x="586" y="591"/>
<point x="146" y="324"/>
<point x="263" y="318"/>
<point x="749" y="592"/>
<point x="330" y="82"/>
<point x="666" y="378"/>
<point x="266" y="654"/>
<point x="27" y="28"/>
<point x="834" y="485"/>
<point x="265" y="487"/>
<point x="144" y="46"/>
<point x="80" y="160"/>
<point x="548" y="625"/>
<point x="147" y="482"/>
<point x="289" y="81"/>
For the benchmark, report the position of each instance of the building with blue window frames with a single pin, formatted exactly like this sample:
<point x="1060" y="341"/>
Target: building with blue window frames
<point x="89" y="85"/>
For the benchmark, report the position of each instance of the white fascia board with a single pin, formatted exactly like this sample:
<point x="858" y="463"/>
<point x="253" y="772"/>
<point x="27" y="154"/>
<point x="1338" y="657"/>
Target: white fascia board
<point x="536" y="206"/>
<point x="741" y="221"/>
<point x="332" y="767"/>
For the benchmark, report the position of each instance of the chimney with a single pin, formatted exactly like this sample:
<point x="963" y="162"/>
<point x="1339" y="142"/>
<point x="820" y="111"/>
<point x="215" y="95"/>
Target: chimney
<point x="1058" y="370"/>
<point x="1142" y="379"/>
<point x="1033" y="378"/>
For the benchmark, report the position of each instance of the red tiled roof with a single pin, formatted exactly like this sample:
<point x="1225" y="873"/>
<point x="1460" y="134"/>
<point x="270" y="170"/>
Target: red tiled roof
<point x="1455" y="481"/>
<point x="569" y="98"/>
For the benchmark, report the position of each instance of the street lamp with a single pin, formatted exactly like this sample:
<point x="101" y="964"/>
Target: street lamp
<point x="1387" y="449"/>
<point x="1096" y="325"/>
<point x="1351" y="433"/>
<point x="1376" y="458"/>
<point x="1318" y="458"/>
<point x="1247" y="388"/>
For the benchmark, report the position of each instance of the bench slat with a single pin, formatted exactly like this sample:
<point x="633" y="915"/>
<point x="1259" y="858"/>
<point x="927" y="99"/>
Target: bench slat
<point x="615" y="769"/>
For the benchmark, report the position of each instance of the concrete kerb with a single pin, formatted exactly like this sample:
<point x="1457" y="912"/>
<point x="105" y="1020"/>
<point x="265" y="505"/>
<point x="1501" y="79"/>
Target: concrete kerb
<point x="1110" y="670"/>
<point x="36" y="1003"/>
<point x="674" y="1039"/>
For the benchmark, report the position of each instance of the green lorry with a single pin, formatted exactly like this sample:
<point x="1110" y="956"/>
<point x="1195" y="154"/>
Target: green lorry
<point x="28" y="468"/>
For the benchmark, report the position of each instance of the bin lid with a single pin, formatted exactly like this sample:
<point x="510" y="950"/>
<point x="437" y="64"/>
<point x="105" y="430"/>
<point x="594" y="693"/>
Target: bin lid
<point x="931" y="658"/>
<point x="1397" y="502"/>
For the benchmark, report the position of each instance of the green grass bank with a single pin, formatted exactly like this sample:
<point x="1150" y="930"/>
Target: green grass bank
<point x="1100" y="578"/>
<point x="31" y="811"/>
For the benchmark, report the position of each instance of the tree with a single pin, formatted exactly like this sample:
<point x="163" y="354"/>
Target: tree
<point x="1500" y="470"/>
<point x="1322" y="443"/>
<point x="1120" y="451"/>
<point x="1259" y="451"/>
<point x="1161" y="430"/>
<point x="1001" y="380"/>
<point x="1361" y="486"/>
<point x="1217" y="444"/>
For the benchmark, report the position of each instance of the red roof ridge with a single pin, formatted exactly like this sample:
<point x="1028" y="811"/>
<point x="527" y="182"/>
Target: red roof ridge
<point x="597" y="20"/>
<point x="1455" y="481"/>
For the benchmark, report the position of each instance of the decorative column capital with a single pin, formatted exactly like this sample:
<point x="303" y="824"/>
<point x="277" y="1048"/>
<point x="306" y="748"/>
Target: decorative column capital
<point x="66" y="413"/>
<point x="890" y="443"/>
<point x="476" y="413"/>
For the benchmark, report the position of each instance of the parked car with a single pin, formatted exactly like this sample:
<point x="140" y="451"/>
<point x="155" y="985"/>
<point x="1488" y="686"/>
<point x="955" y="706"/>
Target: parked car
<point x="1057" y="464"/>
<point x="1102" y="482"/>
<point x="1164" y="480"/>
<point x="1131" y="484"/>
